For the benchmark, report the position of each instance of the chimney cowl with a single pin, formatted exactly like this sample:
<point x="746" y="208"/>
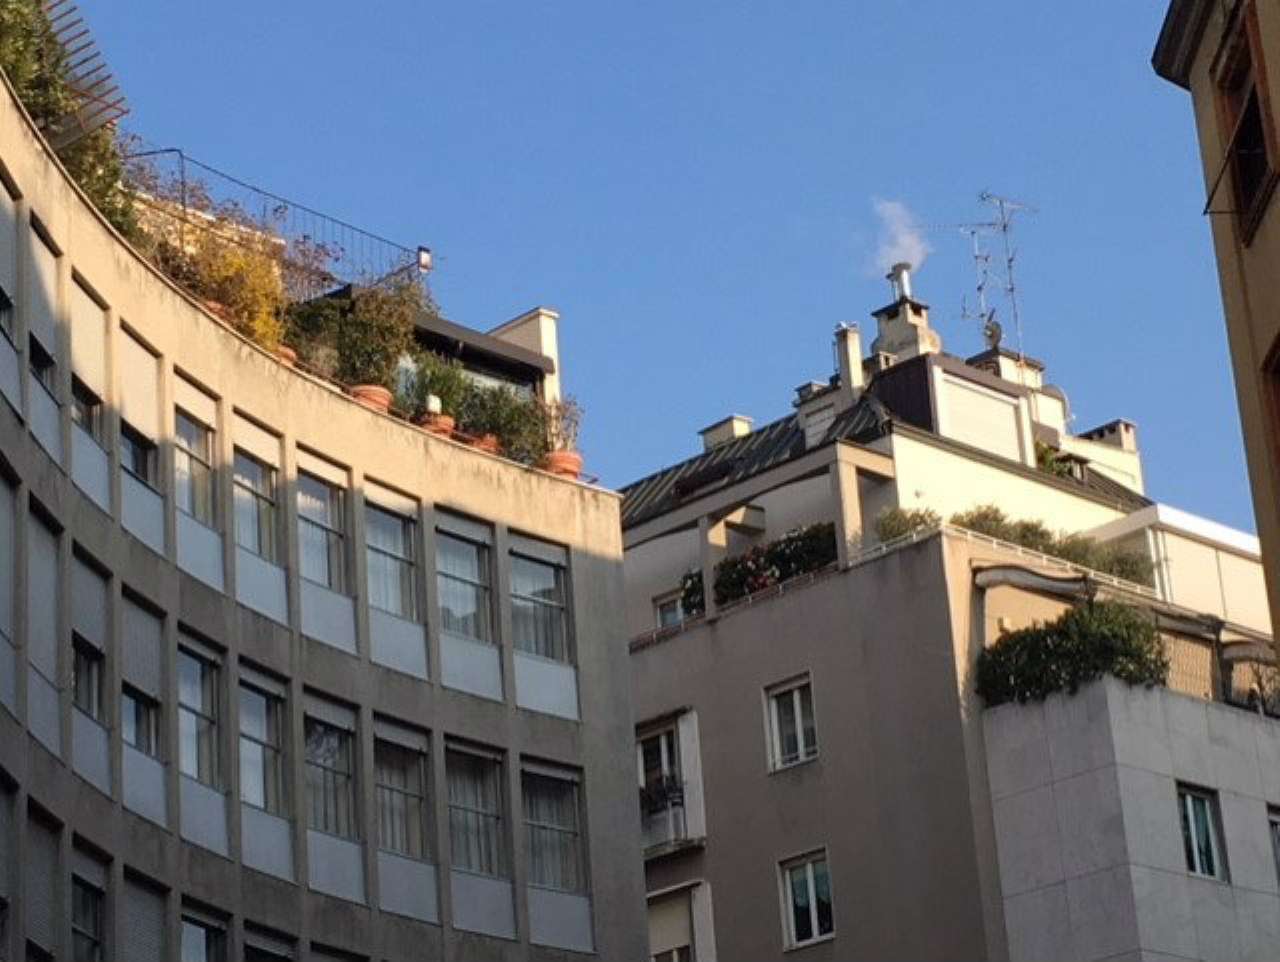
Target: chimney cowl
<point x="725" y="430"/>
<point x="899" y="277"/>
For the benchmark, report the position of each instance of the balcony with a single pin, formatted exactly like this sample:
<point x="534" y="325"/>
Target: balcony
<point x="663" y="827"/>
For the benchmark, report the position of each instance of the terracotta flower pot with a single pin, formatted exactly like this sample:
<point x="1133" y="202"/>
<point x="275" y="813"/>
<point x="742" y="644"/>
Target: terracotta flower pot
<point x="488" y="443"/>
<point x="441" y="424"/>
<point x="373" y="396"/>
<point x="566" y="464"/>
<point x="286" y="355"/>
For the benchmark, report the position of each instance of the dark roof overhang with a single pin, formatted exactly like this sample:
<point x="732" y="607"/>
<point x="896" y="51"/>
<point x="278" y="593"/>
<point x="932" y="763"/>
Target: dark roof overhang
<point x="1180" y="36"/>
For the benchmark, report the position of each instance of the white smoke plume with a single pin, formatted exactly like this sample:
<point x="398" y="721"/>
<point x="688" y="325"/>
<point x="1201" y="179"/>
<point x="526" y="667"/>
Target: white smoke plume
<point x="900" y="238"/>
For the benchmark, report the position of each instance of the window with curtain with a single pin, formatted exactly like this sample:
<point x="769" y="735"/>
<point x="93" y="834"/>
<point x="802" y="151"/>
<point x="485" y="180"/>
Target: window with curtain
<point x="202" y="942"/>
<point x="321" y="532"/>
<point x="538" y="608"/>
<point x="330" y="779"/>
<point x="553" y="839"/>
<point x="87" y="680"/>
<point x="86" y="922"/>
<point x="1201" y="832"/>
<point x="475" y="813"/>
<point x="262" y="753"/>
<point x="44" y="369"/>
<point x="462" y="574"/>
<point x="807" y="884"/>
<point x="198" y="718"/>
<point x="140" y="721"/>
<point x="401" y="794"/>
<point x="254" y="489"/>
<point x="193" y="467"/>
<point x="389" y="539"/>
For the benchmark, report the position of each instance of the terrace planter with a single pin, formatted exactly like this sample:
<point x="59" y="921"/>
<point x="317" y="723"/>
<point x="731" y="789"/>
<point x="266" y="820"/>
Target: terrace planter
<point x="373" y="396"/>
<point x="441" y="424"/>
<point x="564" y="464"/>
<point x="286" y="355"/>
<point x="488" y="443"/>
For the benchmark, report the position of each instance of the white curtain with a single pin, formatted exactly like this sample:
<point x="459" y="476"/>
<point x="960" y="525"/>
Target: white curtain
<point x="551" y="832"/>
<point x="475" y="819"/>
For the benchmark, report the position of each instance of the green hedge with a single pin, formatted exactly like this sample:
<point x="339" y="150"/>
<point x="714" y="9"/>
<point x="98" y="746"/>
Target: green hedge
<point x="1088" y="641"/>
<point x="763" y="566"/>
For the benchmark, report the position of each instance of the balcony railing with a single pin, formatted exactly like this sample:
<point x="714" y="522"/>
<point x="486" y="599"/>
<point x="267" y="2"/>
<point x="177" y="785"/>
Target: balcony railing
<point x="662" y="821"/>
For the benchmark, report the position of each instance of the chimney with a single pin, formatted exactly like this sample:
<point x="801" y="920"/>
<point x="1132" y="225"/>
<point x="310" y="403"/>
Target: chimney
<point x="899" y="277"/>
<point x="726" y="430"/>
<point x="849" y="362"/>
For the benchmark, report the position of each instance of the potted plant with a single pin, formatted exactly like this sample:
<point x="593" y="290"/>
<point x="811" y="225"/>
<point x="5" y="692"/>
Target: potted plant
<point x="372" y="338"/>
<point x="432" y="393"/>
<point x="434" y="419"/>
<point x="503" y="419"/>
<point x="564" y="419"/>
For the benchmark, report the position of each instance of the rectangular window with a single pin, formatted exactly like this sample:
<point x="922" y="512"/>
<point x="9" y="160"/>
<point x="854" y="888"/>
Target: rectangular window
<point x="475" y="813"/>
<point x="321" y="532"/>
<point x="330" y="779"/>
<point x="1245" y="112"/>
<point x="807" y="898"/>
<point x="1273" y="825"/>
<point x="193" y="467"/>
<point x="202" y="942"/>
<point x="1201" y="832"/>
<point x="553" y="837"/>
<point x="255" y="497"/>
<point x="140" y="721"/>
<point x="462" y="573"/>
<point x="87" y="683"/>
<point x="198" y="716"/>
<point x="668" y="612"/>
<point x="681" y="954"/>
<point x="262" y="750"/>
<point x="390" y="541"/>
<point x="86" y="410"/>
<point x="400" y="773"/>
<point x="44" y="370"/>
<point x="6" y="314"/>
<point x="792" y="733"/>
<point x="657" y="758"/>
<point x="86" y="922"/>
<point x="538" y="608"/>
<point x="138" y="454"/>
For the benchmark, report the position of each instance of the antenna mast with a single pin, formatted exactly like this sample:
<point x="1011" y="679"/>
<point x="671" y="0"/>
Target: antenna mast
<point x="1006" y="209"/>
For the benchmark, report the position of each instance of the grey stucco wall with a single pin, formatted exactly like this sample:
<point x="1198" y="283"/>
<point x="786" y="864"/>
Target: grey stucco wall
<point x="1088" y="833"/>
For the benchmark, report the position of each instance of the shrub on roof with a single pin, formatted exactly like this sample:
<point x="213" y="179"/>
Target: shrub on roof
<point x="894" y="523"/>
<point x="1089" y="640"/>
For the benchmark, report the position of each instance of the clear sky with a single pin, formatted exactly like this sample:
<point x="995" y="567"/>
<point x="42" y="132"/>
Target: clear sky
<point x="692" y="186"/>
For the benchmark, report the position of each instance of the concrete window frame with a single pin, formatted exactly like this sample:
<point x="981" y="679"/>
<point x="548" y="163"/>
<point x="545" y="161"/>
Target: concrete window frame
<point x="1202" y="836"/>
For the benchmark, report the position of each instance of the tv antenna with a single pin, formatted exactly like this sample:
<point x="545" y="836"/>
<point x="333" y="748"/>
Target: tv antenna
<point x="1006" y="210"/>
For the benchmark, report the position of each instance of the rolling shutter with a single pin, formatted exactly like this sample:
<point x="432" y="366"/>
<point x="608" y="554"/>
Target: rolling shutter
<point x="140" y="387"/>
<point x="140" y="649"/>
<point x="6" y="559"/>
<point x="88" y="604"/>
<point x="88" y="341"/>
<point x="42" y="598"/>
<point x="42" y="873"/>
<point x="142" y="914"/>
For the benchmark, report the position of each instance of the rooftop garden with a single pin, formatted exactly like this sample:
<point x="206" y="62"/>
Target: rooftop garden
<point x="1089" y="640"/>
<point x="762" y="566"/>
<point x="990" y="520"/>
<point x="340" y="302"/>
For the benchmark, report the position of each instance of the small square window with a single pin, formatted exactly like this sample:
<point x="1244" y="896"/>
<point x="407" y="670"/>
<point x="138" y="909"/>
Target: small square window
<point x="792" y="732"/>
<point x="668" y="611"/>
<point x="806" y="886"/>
<point x="1202" y="832"/>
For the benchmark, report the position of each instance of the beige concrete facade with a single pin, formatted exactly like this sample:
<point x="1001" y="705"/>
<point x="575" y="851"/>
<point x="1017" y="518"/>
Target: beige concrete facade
<point x="1200" y="48"/>
<point x="331" y="653"/>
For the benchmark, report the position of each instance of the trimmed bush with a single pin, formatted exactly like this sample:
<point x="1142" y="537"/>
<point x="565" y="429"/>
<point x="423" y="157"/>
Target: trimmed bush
<point x="762" y="566"/>
<point x="1088" y="641"/>
<point x="894" y="523"/>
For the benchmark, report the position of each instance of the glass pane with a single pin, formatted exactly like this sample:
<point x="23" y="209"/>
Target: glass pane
<point x="253" y="773"/>
<point x="536" y="579"/>
<point x="802" y="923"/>
<point x="806" y="717"/>
<point x="474" y="823"/>
<point x="388" y="531"/>
<point x="390" y="584"/>
<point x="313" y="552"/>
<point x="190" y="680"/>
<point x="129" y="720"/>
<point x="462" y="559"/>
<point x="551" y="837"/>
<point x="253" y="714"/>
<point x="319" y="501"/>
<point x="789" y="742"/>
<point x="1203" y="828"/>
<point x="822" y="891"/>
<point x="651" y="758"/>
<point x="538" y="628"/>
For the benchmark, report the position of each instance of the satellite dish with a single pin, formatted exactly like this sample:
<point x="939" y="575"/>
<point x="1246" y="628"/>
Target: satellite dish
<point x="992" y="331"/>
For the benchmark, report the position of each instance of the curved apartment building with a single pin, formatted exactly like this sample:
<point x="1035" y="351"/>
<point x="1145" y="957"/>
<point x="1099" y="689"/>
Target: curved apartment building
<point x="281" y="677"/>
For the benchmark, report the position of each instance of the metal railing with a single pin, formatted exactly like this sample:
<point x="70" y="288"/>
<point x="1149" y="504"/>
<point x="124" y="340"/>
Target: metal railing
<point x="662" y="820"/>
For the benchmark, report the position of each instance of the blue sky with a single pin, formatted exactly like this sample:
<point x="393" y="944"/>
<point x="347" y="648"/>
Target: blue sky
<point x="691" y="185"/>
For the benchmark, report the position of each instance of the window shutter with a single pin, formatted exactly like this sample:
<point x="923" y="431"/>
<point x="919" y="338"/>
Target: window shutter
<point x="464" y="528"/>
<point x="88" y="341"/>
<point x="9" y="253"/>
<point x="42" y="873"/>
<point x="411" y="738"/>
<point x="140" y="649"/>
<point x="89" y="869"/>
<point x="88" y="604"/>
<point x="6" y="558"/>
<point x="331" y="713"/>
<point x="142" y="917"/>
<point x="44" y="285"/>
<point x="552" y="554"/>
<point x="140" y="384"/>
<point x="42" y="598"/>
<point x="195" y="402"/>
<point x="277" y="946"/>
<point x="263" y="445"/>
